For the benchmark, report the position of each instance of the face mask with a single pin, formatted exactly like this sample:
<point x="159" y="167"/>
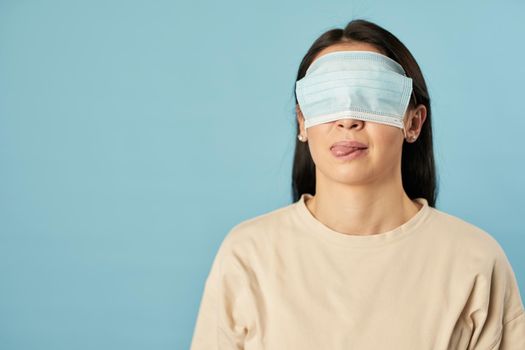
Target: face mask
<point x="361" y="85"/>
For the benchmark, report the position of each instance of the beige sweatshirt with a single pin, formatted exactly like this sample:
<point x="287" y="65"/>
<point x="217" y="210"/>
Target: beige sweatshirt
<point x="285" y="281"/>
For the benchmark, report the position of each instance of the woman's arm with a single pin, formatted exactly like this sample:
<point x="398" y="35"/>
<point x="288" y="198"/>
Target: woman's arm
<point x="499" y="319"/>
<point x="220" y="322"/>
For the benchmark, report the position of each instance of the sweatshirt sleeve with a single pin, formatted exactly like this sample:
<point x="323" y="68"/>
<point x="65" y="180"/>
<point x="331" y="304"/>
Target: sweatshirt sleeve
<point x="513" y="335"/>
<point x="513" y="329"/>
<point x="499" y="319"/>
<point x="221" y="322"/>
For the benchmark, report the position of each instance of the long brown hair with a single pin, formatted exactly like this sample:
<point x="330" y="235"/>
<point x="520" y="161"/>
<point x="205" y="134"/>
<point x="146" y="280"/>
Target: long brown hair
<point x="418" y="170"/>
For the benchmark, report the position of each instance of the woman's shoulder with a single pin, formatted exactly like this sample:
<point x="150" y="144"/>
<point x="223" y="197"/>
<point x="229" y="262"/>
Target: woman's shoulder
<point x="260" y="226"/>
<point x="255" y="238"/>
<point x="463" y="234"/>
<point x="481" y="253"/>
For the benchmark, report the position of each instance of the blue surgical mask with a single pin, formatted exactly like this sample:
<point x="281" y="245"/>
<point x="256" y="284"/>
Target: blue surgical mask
<point x="361" y="85"/>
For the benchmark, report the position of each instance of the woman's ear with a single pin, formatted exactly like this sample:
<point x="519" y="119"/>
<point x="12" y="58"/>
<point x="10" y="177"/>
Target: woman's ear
<point x="415" y="122"/>
<point x="300" y="119"/>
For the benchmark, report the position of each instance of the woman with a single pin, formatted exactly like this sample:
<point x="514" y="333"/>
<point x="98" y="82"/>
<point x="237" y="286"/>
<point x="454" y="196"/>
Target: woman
<point x="362" y="259"/>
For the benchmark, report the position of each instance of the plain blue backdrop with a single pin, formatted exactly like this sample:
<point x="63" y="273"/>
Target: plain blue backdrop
<point x="135" y="134"/>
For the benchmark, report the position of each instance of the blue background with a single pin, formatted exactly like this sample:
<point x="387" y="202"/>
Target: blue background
<point x="135" y="134"/>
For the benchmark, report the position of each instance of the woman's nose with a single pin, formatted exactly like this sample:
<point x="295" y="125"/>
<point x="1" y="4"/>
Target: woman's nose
<point x="350" y="123"/>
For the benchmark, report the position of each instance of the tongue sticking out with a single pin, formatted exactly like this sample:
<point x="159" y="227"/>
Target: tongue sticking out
<point x="344" y="150"/>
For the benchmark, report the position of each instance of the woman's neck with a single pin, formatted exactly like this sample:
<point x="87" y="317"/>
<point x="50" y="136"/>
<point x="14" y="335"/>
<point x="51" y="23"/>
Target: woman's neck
<point x="362" y="210"/>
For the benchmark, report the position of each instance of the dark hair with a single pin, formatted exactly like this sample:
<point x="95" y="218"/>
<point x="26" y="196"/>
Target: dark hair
<point x="417" y="162"/>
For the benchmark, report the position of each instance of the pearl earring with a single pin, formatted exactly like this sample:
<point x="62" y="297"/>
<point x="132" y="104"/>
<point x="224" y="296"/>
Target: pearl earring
<point x="301" y="137"/>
